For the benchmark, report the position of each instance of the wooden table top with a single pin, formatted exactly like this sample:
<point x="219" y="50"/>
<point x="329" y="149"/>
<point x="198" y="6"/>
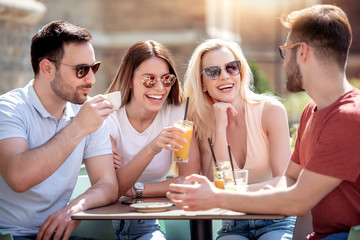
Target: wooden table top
<point x="119" y="210"/>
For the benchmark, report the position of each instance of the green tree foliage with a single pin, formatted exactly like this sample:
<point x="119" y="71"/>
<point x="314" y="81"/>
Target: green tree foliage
<point x="261" y="82"/>
<point x="355" y="82"/>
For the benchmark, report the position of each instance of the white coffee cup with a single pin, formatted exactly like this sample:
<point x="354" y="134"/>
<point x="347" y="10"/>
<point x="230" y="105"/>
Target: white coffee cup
<point x="115" y="99"/>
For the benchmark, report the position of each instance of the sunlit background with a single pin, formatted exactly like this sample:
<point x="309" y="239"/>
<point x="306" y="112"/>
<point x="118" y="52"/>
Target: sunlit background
<point x="179" y="24"/>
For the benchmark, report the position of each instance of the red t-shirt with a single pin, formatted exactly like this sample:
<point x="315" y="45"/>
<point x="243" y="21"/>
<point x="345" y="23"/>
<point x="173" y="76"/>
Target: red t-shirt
<point x="328" y="143"/>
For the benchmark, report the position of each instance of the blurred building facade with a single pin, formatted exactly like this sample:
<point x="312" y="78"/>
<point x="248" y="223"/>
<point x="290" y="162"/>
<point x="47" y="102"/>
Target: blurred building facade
<point x="179" y="24"/>
<point x="17" y="21"/>
<point x="256" y="26"/>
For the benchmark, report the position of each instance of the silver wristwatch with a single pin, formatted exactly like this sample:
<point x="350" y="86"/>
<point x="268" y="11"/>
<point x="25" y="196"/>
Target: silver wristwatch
<point x="139" y="188"/>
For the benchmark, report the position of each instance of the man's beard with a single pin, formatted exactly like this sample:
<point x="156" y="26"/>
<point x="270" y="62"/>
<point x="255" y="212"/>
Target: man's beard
<point x="294" y="77"/>
<point x="66" y="92"/>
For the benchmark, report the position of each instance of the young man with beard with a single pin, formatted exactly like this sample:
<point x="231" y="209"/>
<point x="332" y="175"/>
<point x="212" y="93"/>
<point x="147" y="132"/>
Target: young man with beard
<point x="324" y="174"/>
<point x="47" y="129"/>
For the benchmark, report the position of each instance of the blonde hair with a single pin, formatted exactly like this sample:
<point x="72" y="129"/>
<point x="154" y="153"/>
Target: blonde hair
<point x="200" y="103"/>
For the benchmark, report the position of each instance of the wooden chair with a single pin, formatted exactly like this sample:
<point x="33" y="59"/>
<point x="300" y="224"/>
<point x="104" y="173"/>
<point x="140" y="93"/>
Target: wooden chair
<point x="5" y="235"/>
<point x="303" y="227"/>
<point x="175" y="229"/>
<point x="180" y="229"/>
<point x="354" y="233"/>
<point x="98" y="229"/>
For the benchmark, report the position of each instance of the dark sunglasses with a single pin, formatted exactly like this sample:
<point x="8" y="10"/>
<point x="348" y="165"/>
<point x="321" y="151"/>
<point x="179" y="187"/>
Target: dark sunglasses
<point x="214" y="72"/>
<point x="167" y="80"/>
<point x="83" y="69"/>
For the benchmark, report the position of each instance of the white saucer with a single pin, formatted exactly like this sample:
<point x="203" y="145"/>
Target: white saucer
<point x="151" y="206"/>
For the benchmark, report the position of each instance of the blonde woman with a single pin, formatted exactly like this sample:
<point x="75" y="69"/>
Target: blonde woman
<point x="219" y="83"/>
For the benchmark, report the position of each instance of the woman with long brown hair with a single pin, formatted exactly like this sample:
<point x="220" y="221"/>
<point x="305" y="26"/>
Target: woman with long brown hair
<point x="142" y="133"/>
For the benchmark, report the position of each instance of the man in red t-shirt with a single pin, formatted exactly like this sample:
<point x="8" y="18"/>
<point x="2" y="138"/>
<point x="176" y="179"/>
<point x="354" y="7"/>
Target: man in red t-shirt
<point x="327" y="144"/>
<point x="324" y="174"/>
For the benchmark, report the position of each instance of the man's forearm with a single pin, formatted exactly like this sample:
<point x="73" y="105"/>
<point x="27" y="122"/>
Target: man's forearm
<point x="276" y="201"/>
<point x="277" y="182"/>
<point x="37" y="164"/>
<point x="100" y="194"/>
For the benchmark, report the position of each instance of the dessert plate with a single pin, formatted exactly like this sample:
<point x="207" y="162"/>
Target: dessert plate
<point x="151" y="206"/>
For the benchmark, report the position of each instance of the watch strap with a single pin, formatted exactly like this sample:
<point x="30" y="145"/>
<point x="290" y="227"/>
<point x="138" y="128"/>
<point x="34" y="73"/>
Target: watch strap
<point x="139" y="188"/>
<point x="139" y="193"/>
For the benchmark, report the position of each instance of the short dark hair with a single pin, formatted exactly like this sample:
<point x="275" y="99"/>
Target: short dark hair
<point x="326" y="28"/>
<point x="138" y="53"/>
<point x="50" y="40"/>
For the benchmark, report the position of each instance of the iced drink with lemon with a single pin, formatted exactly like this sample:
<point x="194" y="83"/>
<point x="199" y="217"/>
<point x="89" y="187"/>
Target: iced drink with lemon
<point x="182" y="155"/>
<point x="220" y="173"/>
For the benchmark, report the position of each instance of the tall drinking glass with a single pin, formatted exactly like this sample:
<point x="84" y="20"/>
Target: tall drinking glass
<point x="182" y="155"/>
<point x="220" y="173"/>
<point x="241" y="178"/>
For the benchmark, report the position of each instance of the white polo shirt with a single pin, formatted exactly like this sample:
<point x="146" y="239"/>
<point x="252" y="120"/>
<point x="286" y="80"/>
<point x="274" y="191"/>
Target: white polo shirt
<point x="23" y="116"/>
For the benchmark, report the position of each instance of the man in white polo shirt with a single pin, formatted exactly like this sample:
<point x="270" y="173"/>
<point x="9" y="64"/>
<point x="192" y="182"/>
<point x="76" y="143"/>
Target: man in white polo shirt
<point x="47" y="129"/>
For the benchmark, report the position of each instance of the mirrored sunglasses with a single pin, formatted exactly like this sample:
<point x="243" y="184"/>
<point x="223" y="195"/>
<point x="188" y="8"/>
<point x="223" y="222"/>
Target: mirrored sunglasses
<point x="214" y="72"/>
<point x="83" y="69"/>
<point x="167" y="80"/>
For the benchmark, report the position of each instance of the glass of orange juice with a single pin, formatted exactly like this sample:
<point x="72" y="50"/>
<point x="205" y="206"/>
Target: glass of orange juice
<point x="182" y="155"/>
<point x="220" y="173"/>
<point x="218" y="177"/>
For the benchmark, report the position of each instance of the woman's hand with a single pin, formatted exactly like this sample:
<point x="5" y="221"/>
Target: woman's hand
<point x="169" y="139"/>
<point x="221" y="110"/>
<point x="118" y="159"/>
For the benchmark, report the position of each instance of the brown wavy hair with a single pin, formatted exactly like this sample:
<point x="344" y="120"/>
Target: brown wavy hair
<point x="138" y="53"/>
